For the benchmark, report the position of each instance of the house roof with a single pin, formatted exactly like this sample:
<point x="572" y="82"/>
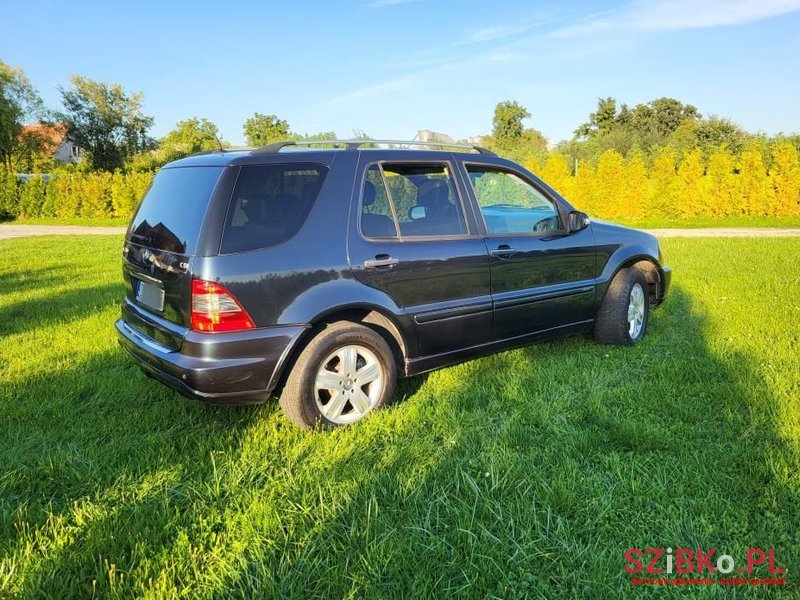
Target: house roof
<point x="52" y="135"/>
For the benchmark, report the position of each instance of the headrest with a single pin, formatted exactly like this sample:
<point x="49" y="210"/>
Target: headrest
<point x="369" y="193"/>
<point x="433" y="192"/>
<point x="310" y="191"/>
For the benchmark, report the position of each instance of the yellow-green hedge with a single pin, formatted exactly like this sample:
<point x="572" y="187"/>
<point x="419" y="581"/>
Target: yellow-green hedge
<point x="680" y="187"/>
<point x="72" y="194"/>
<point x="667" y="186"/>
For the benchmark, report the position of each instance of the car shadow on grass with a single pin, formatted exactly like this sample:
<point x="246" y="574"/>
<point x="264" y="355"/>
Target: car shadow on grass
<point x="527" y="473"/>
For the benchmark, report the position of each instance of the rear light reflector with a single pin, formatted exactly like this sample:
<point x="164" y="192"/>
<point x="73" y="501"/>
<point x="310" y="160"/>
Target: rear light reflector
<point x="215" y="309"/>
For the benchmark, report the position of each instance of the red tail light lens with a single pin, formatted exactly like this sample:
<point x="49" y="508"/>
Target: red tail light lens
<point x="215" y="309"/>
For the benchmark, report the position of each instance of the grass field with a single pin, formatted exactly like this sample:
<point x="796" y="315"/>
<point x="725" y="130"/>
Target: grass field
<point x="525" y="474"/>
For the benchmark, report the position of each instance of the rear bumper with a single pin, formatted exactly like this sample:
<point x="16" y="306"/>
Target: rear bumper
<point x="235" y="368"/>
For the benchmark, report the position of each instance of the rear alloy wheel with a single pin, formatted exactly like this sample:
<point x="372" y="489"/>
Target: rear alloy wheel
<point x="624" y="313"/>
<point x="348" y="384"/>
<point x="343" y="374"/>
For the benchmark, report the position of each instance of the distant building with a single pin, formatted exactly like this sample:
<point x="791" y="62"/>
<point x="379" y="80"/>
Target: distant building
<point x="426" y="135"/>
<point x="54" y="141"/>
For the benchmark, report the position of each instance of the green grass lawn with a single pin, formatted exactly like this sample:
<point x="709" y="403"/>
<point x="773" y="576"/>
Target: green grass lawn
<point x="525" y="474"/>
<point x="704" y="222"/>
<point x="87" y="221"/>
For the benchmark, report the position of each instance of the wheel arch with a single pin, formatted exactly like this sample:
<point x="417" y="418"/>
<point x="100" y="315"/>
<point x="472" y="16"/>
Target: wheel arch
<point x="633" y="257"/>
<point x="376" y="318"/>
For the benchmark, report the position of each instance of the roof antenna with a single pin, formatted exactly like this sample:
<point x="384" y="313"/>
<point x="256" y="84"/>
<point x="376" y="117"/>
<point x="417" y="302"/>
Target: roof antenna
<point x="221" y="149"/>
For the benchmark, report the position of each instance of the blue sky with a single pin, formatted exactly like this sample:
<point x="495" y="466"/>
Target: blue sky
<point x="391" y="67"/>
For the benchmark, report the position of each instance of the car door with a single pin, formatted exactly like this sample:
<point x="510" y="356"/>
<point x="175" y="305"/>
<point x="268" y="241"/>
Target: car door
<point x="413" y="240"/>
<point x="541" y="276"/>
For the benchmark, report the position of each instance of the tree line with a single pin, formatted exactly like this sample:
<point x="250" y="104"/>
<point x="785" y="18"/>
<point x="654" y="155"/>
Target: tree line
<point x="662" y="158"/>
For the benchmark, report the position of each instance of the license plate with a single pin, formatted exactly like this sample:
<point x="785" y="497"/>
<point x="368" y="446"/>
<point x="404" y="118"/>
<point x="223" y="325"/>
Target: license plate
<point x="148" y="294"/>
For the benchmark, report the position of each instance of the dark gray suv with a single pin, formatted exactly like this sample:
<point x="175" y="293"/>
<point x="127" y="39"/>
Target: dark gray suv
<point x="325" y="273"/>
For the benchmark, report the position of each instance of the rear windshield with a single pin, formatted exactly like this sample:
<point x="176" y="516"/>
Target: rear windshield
<point x="172" y="211"/>
<point x="269" y="204"/>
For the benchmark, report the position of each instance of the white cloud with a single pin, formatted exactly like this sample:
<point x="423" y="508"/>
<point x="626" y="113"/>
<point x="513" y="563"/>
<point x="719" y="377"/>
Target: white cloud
<point x="669" y="15"/>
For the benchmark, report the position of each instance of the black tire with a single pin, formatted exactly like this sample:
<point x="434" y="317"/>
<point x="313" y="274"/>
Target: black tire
<point x="301" y="401"/>
<point x="611" y="324"/>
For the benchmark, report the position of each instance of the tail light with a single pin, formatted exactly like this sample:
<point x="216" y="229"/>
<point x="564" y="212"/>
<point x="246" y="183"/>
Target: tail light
<point x="215" y="309"/>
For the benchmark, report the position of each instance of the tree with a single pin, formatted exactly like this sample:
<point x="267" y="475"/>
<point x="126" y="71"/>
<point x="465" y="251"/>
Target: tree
<point x="662" y="184"/>
<point x="636" y="186"/>
<point x="755" y="190"/>
<point x="582" y="188"/>
<point x="511" y="138"/>
<point x="19" y="101"/>
<point x="689" y="185"/>
<point x="645" y="125"/>
<point x="557" y="174"/>
<point x="507" y="126"/>
<point x="105" y="121"/>
<point x="708" y="135"/>
<point x="602" y="121"/>
<point x="785" y="177"/>
<point x="609" y="189"/>
<point x="261" y="130"/>
<point x="189" y="137"/>
<point x="719" y="183"/>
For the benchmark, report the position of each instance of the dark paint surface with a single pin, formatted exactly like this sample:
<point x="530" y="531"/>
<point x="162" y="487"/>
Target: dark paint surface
<point x="449" y="299"/>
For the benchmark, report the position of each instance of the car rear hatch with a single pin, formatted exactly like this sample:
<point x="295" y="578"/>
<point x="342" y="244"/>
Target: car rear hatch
<point x="159" y="246"/>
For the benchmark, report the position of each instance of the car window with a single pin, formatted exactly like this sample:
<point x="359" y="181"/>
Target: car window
<point x="172" y="211"/>
<point x="421" y="201"/>
<point x="269" y="204"/>
<point x="377" y="220"/>
<point x="510" y="205"/>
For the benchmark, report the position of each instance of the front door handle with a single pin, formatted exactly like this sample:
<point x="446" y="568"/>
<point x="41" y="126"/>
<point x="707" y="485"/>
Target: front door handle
<point x="382" y="261"/>
<point x="503" y="251"/>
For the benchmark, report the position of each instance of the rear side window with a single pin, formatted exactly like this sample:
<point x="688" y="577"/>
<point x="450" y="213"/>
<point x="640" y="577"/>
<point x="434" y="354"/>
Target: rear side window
<point x="269" y="204"/>
<point x="171" y="213"/>
<point x="410" y="200"/>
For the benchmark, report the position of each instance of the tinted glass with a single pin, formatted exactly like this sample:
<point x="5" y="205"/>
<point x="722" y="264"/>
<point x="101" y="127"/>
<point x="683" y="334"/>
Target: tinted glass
<point x="423" y="197"/>
<point x="511" y="205"/>
<point x="172" y="211"/>
<point x="377" y="220"/>
<point x="269" y="204"/>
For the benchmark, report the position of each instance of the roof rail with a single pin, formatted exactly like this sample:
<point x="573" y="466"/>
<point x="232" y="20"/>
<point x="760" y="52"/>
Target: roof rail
<point x="276" y="147"/>
<point x="222" y="150"/>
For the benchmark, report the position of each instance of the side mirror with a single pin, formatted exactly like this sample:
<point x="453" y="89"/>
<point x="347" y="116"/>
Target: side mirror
<point x="577" y="220"/>
<point x="417" y="212"/>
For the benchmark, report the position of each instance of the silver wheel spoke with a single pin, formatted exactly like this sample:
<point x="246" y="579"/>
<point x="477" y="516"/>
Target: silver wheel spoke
<point x="360" y="401"/>
<point x="368" y="373"/>
<point x="636" y="311"/>
<point x="333" y="409"/>
<point x="348" y="356"/>
<point x="328" y="380"/>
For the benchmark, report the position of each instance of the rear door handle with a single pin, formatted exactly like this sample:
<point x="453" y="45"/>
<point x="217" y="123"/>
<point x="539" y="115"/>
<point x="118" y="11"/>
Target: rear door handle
<point x="503" y="251"/>
<point x="382" y="261"/>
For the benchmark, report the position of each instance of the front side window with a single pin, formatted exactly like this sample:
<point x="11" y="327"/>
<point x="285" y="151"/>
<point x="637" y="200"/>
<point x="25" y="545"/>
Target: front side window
<point x="269" y="204"/>
<point x="410" y="200"/>
<point x="511" y="205"/>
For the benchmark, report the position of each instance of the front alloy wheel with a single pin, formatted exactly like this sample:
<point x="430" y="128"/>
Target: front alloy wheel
<point x="636" y="310"/>
<point x="623" y="315"/>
